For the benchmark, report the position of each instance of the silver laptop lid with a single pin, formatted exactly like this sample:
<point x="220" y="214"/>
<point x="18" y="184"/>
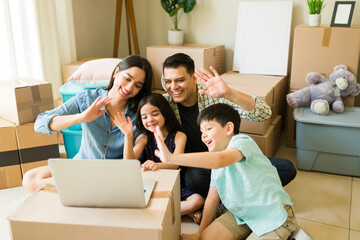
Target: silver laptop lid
<point x="99" y="183"/>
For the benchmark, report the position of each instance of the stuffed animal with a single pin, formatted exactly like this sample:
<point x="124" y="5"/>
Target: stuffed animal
<point x="325" y="92"/>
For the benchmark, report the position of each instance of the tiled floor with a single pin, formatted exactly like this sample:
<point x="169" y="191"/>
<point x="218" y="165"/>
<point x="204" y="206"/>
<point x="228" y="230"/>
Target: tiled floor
<point x="327" y="206"/>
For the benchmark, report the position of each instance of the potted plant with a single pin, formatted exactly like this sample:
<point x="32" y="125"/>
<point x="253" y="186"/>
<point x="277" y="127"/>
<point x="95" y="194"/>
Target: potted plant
<point x="315" y="8"/>
<point x="175" y="9"/>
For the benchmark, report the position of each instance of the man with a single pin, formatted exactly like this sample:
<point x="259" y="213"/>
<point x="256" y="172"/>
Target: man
<point x="188" y="98"/>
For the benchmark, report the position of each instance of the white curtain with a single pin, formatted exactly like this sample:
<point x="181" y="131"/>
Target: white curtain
<point x="39" y="39"/>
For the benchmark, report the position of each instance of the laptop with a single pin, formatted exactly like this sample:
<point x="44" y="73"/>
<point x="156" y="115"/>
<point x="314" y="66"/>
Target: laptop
<point x="101" y="183"/>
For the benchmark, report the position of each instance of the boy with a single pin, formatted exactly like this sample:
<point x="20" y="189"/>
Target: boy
<point x="242" y="178"/>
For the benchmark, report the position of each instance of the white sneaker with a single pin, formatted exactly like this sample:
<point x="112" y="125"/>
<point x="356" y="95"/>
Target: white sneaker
<point x="299" y="234"/>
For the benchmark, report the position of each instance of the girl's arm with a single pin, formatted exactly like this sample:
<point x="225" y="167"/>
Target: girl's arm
<point x="211" y="160"/>
<point x="126" y="127"/>
<point x="180" y="143"/>
<point x="211" y="204"/>
<point x="90" y="114"/>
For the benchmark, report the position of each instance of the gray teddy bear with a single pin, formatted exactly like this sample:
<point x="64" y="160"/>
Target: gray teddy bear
<point x="325" y="92"/>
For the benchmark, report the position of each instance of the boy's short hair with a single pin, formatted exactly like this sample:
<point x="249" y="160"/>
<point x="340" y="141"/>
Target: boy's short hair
<point x="180" y="59"/>
<point x="221" y="113"/>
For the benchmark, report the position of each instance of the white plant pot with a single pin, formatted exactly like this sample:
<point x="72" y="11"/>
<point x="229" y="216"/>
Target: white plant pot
<point x="314" y="20"/>
<point x="175" y="37"/>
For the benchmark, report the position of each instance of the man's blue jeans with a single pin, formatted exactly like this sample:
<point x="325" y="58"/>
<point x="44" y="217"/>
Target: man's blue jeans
<point x="198" y="179"/>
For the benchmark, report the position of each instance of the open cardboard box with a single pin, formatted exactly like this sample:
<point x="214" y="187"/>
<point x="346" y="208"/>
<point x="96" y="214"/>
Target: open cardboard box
<point x="42" y="216"/>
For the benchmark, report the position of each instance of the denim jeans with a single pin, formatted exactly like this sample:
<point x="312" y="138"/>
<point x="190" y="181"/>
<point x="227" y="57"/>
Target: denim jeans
<point x="198" y="179"/>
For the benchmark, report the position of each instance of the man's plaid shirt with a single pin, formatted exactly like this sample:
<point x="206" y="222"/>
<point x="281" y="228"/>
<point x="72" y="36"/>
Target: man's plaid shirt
<point x="260" y="113"/>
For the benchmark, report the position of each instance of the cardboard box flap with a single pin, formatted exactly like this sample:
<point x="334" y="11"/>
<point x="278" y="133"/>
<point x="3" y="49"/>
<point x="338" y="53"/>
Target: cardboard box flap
<point x="22" y="82"/>
<point x="251" y="79"/>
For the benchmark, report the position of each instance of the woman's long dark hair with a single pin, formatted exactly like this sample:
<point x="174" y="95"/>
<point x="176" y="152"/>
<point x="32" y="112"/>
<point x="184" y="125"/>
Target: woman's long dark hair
<point x="142" y="63"/>
<point x="156" y="99"/>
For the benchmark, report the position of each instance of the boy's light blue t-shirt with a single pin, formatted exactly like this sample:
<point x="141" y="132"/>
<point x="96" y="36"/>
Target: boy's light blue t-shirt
<point x="99" y="140"/>
<point x="251" y="188"/>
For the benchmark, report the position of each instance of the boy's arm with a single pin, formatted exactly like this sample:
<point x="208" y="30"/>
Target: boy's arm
<point x="211" y="204"/>
<point x="211" y="160"/>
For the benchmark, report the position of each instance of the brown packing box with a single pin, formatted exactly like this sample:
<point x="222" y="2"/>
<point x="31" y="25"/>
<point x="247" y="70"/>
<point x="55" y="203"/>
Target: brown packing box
<point x="41" y="216"/>
<point x="203" y="56"/>
<point x="320" y="49"/>
<point x="291" y="124"/>
<point x="278" y="82"/>
<point x="21" y="100"/>
<point x="10" y="172"/>
<point x="35" y="148"/>
<point x="265" y="93"/>
<point x="270" y="141"/>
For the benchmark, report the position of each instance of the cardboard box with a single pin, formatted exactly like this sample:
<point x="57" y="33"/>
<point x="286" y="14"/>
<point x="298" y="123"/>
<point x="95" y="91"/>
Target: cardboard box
<point x="320" y="49"/>
<point x="270" y="141"/>
<point x="10" y="172"/>
<point x="265" y="93"/>
<point x="21" y="100"/>
<point x="291" y="124"/>
<point x="203" y="56"/>
<point x="35" y="148"/>
<point x="279" y="83"/>
<point x="41" y="216"/>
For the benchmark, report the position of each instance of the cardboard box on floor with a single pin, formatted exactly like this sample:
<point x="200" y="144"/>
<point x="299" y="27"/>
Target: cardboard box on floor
<point x="270" y="89"/>
<point x="320" y="49"/>
<point x="10" y="171"/>
<point x="291" y="124"/>
<point x="203" y="56"/>
<point x="270" y="141"/>
<point x="21" y="100"/>
<point x="42" y="217"/>
<point x="35" y="148"/>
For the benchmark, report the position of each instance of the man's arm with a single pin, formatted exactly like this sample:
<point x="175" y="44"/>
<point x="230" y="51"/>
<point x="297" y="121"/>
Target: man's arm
<point x="219" y="89"/>
<point x="248" y="108"/>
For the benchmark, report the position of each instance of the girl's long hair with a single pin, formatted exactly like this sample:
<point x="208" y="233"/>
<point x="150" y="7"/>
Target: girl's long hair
<point x="156" y="99"/>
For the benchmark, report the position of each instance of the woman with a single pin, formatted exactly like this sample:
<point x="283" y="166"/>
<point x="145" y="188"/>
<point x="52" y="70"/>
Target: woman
<point x="95" y="110"/>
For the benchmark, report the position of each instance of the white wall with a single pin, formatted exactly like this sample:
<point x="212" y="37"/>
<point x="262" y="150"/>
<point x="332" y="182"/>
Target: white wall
<point x="211" y="22"/>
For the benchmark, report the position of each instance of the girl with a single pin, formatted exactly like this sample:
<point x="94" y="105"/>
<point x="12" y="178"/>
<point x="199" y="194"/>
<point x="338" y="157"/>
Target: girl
<point x="154" y="110"/>
<point x="95" y="110"/>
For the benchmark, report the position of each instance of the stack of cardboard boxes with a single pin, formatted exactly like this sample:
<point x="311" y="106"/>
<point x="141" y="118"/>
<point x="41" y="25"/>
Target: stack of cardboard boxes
<point x="22" y="149"/>
<point x="320" y="49"/>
